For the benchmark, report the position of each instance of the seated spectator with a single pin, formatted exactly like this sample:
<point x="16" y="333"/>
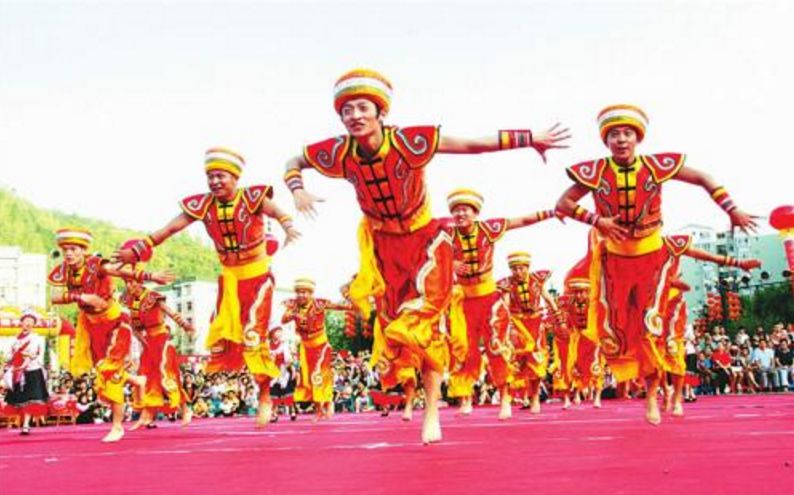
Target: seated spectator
<point x="783" y="363"/>
<point x="721" y="362"/>
<point x="763" y="363"/>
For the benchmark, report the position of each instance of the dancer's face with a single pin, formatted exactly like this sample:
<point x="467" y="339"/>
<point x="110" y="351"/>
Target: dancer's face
<point x="520" y="272"/>
<point x="464" y="216"/>
<point x="222" y="184"/>
<point x="73" y="254"/>
<point x="133" y="287"/>
<point x="361" y="118"/>
<point x="303" y="296"/>
<point x="622" y="140"/>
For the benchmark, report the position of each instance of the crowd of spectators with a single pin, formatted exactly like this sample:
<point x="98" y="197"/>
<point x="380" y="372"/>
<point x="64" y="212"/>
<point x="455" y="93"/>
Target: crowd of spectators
<point x="751" y="361"/>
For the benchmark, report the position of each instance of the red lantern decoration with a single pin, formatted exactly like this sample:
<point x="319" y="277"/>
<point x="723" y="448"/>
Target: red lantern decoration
<point x="782" y="219"/>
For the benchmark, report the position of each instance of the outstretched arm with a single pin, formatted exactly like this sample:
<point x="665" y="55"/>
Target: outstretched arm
<point x="532" y="218"/>
<point x="142" y="249"/>
<point x="126" y="273"/>
<point x="724" y="260"/>
<point x="552" y="138"/>
<point x="272" y="210"/>
<point x="568" y="205"/>
<point x="176" y="317"/>
<point x="739" y="218"/>
<point x="304" y="201"/>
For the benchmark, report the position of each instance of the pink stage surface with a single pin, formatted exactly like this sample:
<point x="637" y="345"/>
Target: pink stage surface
<point x="724" y="445"/>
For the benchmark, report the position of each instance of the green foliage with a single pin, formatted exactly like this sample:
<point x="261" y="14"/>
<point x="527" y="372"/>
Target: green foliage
<point x="33" y="229"/>
<point x="769" y="305"/>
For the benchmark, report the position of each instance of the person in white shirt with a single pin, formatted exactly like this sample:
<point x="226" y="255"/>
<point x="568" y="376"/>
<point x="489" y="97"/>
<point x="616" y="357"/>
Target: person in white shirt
<point x="24" y="377"/>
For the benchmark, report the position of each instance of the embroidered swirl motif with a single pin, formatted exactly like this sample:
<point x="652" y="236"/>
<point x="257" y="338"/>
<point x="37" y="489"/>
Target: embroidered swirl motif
<point x="417" y="146"/>
<point x="400" y="170"/>
<point x="194" y="204"/>
<point x="650" y="186"/>
<point x="601" y="197"/>
<point x="672" y="347"/>
<point x="251" y="338"/>
<point x="351" y="178"/>
<point x="666" y="164"/>
<point x="327" y="160"/>
<point x="253" y="194"/>
<point x="587" y="170"/>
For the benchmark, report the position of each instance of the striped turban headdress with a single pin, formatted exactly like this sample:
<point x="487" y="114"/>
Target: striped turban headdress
<point x="224" y="159"/>
<point x="465" y="197"/>
<point x="363" y="83"/>
<point x="75" y="236"/>
<point x="617" y="115"/>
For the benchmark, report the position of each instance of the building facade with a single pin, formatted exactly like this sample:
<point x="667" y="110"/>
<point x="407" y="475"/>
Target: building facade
<point x="23" y="278"/>
<point x="707" y="277"/>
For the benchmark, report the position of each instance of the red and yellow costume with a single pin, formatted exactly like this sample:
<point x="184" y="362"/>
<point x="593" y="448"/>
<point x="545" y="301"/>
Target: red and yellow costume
<point x="584" y="362"/>
<point x="406" y="256"/>
<point x="102" y="338"/>
<point x="159" y="363"/>
<point x="485" y="311"/>
<point x="626" y="276"/>
<point x="526" y="315"/>
<point x="316" y="383"/>
<point x="238" y="333"/>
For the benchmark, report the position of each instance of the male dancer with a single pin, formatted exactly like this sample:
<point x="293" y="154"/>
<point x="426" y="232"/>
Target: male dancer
<point x="406" y="256"/>
<point x="158" y="362"/>
<point x="523" y="291"/>
<point x="235" y="221"/>
<point x="316" y="381"/>
<point x="103" y="333"/>
<point x="485" y="311"/>
<point x="626" y="270"/>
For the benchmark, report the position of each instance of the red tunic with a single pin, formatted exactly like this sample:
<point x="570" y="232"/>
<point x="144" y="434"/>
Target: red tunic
<point x="145" y="311"/>
<point x="88" y="279"/>
<point x="476" y="249"/>
<point x="310" y="320"/>
<point x="524" y="296"/>
<point x="234" y="227"/>
<point x="390" y="186"/>
<point x="633" y="192"/>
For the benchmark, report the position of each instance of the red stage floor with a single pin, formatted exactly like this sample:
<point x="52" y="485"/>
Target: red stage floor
<point x="723" y="445"/>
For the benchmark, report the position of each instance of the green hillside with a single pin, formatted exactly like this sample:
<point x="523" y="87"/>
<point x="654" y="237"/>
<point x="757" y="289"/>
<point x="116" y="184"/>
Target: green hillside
<point x="32" y="228"/>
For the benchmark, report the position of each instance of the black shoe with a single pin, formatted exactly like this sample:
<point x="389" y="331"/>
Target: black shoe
<point x="25" y="431"/>
<point x="293" y="417"/>
<point x="151" y="426"/>
<point x="274" y="419"/>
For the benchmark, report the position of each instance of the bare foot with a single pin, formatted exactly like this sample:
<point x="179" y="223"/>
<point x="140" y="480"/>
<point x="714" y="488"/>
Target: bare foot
<point x="597" y="402"/>
<point x="408" y="414"/>
<point x="678" y="410"/>
<point x="114" y="435"/>
<point x="577" y="398"/>
<point x="466" y="407"/>
<point x="652" y="415"/>
<point x="431" y="428"/>
<point x="566" y="403"/>
<point x="263" y="416"/>
<point x="535" y="407"/>
<point x="505" y="412"/>
<point x="187" y="416"/>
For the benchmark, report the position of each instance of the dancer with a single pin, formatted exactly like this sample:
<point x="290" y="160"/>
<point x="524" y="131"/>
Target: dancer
<point x="670" y="345"/>
<point x="158" y="361"/>
<point x="103" y="333"/>
<point x="626" y="270"/>
<point x="316" y="380"/>
<point x="406" y="256"/>
<point x="235" y="221"/>
<point x="485" y="311"/>
<point x="523" y="292"/>
<point x="24" y="378"/>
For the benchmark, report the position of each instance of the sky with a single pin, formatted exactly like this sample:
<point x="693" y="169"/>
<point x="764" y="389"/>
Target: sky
<point x="106" y="108"/>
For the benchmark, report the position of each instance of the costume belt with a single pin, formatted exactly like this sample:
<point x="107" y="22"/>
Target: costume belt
<point x="636" y="247"/>
<point x="482" y="288"/>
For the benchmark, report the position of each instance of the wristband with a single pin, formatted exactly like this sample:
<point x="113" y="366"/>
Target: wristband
<point x="584" y="216"/>
<point x="510" y="139"/>
<point x="294" y="179"/>
<point x="723" y="199"/>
